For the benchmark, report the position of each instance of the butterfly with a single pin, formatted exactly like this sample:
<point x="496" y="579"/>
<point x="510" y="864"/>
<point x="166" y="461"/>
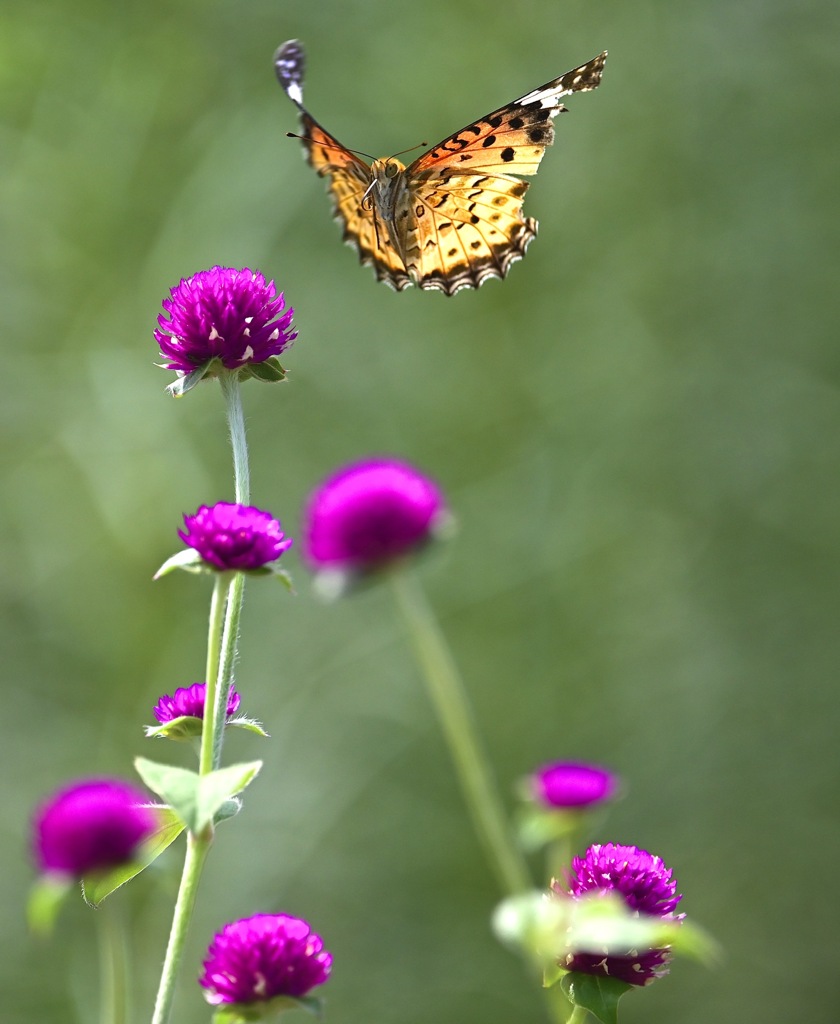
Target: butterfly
<point x="452" y="219"/>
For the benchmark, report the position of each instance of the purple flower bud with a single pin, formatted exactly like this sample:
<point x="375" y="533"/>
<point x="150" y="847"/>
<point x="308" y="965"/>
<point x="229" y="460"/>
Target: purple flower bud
<point x="258" y="958"/>
<point x="231" y="536"/>
<point x="189" y="700"/>
<point x="226" y="314"/>
<point x="368" y="514"/>
<point x="569" y="784"/>
<point x="646" y="886"/>
<point x="91" y="826"/>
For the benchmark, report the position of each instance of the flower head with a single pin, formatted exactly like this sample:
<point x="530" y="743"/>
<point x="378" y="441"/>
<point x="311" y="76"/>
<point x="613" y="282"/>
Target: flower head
<point x="91" y="826"/>
<point x="231" y="536"/>
<point x="368" y="514"/>
<point x="189" y="701"/>
<point x="231" y="315"/>
<point x="646" y="886"/>
<point x="569" y="784"/>
<point x="258" y="958"/>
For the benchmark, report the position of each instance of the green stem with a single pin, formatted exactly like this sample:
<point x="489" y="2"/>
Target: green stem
<point x="233" y="606"/>
<point x="222" y="637"/>
<point x="197" y="849"/>
<point x="113" y="961"/>
<point x="198" y="846"/>
<point x="221" y="590"/>
<point x="447" y="693"/>
<point x="578" y="1016"/>
<point x="236" y="425"/>
<point x="229" y="649"/>
<point x="449" y="697"/>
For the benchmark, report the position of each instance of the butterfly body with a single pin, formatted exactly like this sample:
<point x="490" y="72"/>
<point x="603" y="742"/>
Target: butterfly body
<point x="388" y="195"/>
<point x="452" y="219"/>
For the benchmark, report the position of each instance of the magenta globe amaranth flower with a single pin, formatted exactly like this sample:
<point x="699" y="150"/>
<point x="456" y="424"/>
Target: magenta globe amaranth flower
<point x="261" y="957"/>
<point x="234" y="537"/>
<point x="231" y="315"/>
<point x="91" y="826"/>
<point x="571" y="785"/>
<point x="646" y="886"/>
<point x="369" y="514"/>
<point x="189" y="701"/>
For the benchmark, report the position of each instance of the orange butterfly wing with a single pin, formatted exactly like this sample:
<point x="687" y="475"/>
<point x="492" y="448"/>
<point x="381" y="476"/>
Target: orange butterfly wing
<point x="468" y="224"/>
<point x="348" y="177"/>
<point x="453" y="218"/>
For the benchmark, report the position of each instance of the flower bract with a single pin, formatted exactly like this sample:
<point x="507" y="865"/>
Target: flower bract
<point x="647" y="887"/>
<point x="91" y="826"/>
<point x="259" y="958"/>
<point x="233" y="316"/>
<point x="368" y="514"/>
<point x="189" y="700"/>
<point x="229" y="536"/>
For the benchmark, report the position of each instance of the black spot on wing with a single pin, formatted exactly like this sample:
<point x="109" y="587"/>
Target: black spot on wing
<point x="475" y="269"/>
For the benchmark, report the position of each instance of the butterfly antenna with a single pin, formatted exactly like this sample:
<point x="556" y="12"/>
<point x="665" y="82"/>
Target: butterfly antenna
<point x="402" y="152"/>
<point x="328" y="145"/>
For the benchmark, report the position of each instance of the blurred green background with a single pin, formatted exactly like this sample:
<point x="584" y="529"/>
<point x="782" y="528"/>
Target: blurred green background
<point x="637" y="431"/>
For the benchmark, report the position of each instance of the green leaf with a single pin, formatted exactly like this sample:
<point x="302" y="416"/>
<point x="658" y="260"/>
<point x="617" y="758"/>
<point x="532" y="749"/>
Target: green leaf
<point x="188" y="559"/>
<point x="178" y="388"/>
<point x="49" y="892"/>
<point x="548" y="929"/>
<point x="216" y="788"/>
<point x="229" y="809"/>
<point x="96" y="888"/>
<point x="46" y="898"/>
<point x="552" y="973"/>
<point x="269" y="371"/>
<point x="191" y="561"/>
<point x="185" y="727"/>
<point x="188" y="727"/>
<point x="178" y="787"/>
<point x="603" y="923"/>
<point x="688" y="939"/>
<point x="195" y="798"/>
<point x="312" y="1004"/>
<point x="535" y="924"/>
<point x="249" y="724"/>
<point x="596" y="993"/>
<point x="282" y="577"/>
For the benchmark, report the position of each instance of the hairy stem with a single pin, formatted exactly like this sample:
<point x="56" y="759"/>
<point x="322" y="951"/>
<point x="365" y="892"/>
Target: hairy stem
<point x="197" y="849"/>
<point x="236" y="426"/>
